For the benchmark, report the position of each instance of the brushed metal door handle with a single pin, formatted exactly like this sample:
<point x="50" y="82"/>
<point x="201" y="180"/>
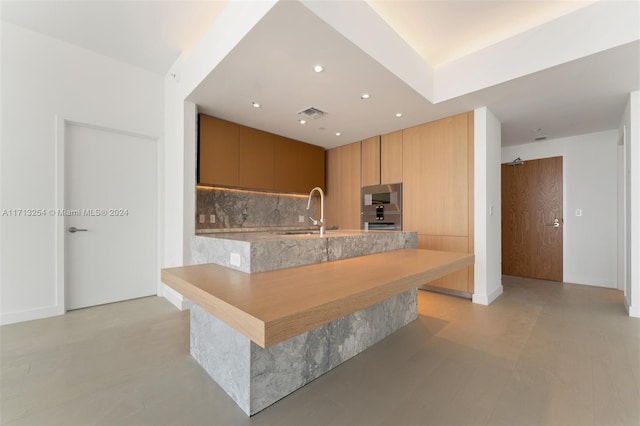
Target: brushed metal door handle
<point x="555" y="224"/>
<point x="74" y="229"/>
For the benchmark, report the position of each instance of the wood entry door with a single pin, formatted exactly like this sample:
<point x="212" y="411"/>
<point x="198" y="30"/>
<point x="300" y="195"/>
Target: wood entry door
<point x="532" y="219"/>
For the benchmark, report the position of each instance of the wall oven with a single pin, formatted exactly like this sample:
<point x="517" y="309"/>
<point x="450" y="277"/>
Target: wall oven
<point x="382" y="207"/>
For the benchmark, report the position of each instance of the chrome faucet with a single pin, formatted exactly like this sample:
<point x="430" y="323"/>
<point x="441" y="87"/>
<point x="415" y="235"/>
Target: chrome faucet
<point x="316" y="221"/>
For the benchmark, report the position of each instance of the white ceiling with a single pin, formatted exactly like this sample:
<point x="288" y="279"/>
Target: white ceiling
<point x="272" y="64"/>
<point x="444" y="30"/>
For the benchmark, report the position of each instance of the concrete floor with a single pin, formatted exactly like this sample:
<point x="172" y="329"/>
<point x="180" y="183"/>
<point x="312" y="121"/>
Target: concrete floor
<point x="542" y="354"/>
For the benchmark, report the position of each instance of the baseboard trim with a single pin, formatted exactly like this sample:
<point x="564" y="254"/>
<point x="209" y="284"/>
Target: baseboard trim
<point x="29" y="315"/>
<point x="446" y="291"/>
<point x="176" y="299"/>
<point x="633" y="311"/>
<point x="487" y="299"/>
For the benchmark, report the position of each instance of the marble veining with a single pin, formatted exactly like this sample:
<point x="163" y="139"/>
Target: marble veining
<point x="256" y="378"/>
<point x="268" y="251"/>
<point x="239" y="209"/>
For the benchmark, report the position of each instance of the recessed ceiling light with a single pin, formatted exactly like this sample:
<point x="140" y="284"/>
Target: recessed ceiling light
<point x="398" y="114"/>
<point x="338" y="133"/>
<point x="318" y="68"/>
<point x="255" y="104"/>
<point x="302" y="121"/>
<point x="365" y="96"/>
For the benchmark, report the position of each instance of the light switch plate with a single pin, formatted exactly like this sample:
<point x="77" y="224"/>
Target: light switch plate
<point x="201" y="218"/>
<point x="301" y="219"/>
<point x="578" y="212"/>
<point x="235" y="259"/>
<point x="212" y="218"/>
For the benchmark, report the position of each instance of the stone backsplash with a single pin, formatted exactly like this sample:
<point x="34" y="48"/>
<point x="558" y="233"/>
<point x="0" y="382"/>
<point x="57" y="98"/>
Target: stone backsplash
<point x="236" y="209"/>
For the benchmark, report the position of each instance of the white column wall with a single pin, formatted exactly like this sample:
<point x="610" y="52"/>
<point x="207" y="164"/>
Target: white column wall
<point x="487" y="209"/>
<point x="630" y="131"/>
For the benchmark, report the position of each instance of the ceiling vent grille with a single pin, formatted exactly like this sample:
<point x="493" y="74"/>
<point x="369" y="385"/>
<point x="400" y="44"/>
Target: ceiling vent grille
<point x="312" y="113"/>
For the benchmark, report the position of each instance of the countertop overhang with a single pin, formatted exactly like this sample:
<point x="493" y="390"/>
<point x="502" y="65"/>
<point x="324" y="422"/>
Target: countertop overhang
<point x="270" y="307"/>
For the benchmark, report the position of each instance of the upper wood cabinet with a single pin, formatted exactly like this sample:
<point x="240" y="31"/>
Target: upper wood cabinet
<point x="382" y="159"/>
<point x="371" y="161"/>
<point x="342" y="206"/>
<point x="233" y="155"/>
<point x="391" y="157"/>
<point x="298" y="167"/>
<point x="256" y="158"/>
<point x="219" y="151"/>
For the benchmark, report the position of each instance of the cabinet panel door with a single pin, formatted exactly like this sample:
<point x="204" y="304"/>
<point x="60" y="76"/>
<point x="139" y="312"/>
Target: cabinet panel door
<point x="256" y="158"/>
<point x="287" y="167"/>
<point x="391" y="157"/>
<point x="371" y="161"/>
<point x="218" y="151"/>
<point x="332" y="208"/>
<point x="342" y="206"/>
<point x="458" y="280"/>
<point x="350" y="181"/>
<point x="435" y="177"/>
<point x="313" y="168"/>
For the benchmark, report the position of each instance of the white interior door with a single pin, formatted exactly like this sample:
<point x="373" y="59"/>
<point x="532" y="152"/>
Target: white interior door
<point x="111" y="199"/>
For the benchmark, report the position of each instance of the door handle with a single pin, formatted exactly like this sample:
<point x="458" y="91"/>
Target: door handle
<point x="74" y="229"/>
<point x="555" y="224"/>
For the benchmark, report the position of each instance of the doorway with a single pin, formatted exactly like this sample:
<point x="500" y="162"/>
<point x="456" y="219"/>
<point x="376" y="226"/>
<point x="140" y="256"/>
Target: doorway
<point x="110" y="216"/>
<point x="532" y="219"/>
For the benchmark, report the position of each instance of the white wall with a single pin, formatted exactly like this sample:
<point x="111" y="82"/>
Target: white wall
<point x="630" y="132"/>
<point x="589" y="167"/>
<point x="41" y="78"/>
<point x="487" y="209"/>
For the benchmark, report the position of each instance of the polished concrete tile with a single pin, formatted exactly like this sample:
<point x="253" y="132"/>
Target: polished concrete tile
<point x="544" y="353"/>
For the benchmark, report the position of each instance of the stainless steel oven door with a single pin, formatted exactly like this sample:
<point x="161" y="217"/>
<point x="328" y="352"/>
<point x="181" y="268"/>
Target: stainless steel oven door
<point x="388" y="222"/>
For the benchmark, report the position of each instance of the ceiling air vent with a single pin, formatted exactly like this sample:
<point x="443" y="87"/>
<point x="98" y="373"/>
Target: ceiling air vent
<point x="312" y="113"/>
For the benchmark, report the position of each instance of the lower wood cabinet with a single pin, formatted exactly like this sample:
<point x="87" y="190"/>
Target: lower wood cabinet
<point x="462" y="280"/>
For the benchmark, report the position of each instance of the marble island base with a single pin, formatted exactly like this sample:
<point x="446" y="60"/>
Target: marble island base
<point x="256" y="377"/>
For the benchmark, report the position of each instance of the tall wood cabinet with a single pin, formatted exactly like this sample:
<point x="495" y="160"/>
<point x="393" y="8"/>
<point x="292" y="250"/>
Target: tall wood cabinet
<point x="343" y="168"/>
<point x="238" y="156"/>
<point x="391" y="157"/>
<point x="382" y="159"/>
<point x="438" y="190"/>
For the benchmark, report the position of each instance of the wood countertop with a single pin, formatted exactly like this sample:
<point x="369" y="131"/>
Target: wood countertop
<point x="269" y="307"/>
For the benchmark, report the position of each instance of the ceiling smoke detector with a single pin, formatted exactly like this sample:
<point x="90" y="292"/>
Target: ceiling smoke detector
<point x="312" y="113"/>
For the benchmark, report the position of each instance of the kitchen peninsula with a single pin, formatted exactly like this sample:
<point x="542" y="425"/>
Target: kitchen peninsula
<point x="263" y="335"/>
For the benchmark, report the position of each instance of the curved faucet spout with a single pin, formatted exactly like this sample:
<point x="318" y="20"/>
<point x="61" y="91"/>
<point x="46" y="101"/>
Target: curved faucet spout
<point x="315" y="221"/>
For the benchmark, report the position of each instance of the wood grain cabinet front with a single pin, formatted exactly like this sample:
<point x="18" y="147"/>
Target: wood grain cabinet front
<point x="438" y="190"/>
<point x="298" y="166"/>
<point x="382" y="159"/>
<point x="342" y="207"/>
<point x="238" y="156"/>
<point x="218" y="151"/>
<point x="256" y="159"/>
